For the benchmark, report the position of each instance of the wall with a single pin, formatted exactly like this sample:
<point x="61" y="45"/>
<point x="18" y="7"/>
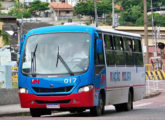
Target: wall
<point x="9" y="96"/>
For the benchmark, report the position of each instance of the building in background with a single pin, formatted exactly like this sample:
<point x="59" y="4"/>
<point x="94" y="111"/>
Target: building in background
<point x="5" y="25"/>
<point x="61" y="10"/>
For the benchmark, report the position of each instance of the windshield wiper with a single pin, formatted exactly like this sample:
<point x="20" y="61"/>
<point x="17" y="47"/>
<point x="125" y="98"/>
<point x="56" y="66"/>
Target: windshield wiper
<point x="64" y="63"/>
<point x="33" y="61"/>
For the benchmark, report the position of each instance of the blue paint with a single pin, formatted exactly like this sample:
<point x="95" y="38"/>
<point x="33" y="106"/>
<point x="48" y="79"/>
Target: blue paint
<point x="83" y="79"/>
<point x="115" y="76"/>
<point x="126" y="76"/>
<point x="136" y="69"/>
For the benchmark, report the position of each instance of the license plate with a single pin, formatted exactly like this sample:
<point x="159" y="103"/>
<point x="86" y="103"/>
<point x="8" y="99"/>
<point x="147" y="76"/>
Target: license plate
<point x="52" y="106"/>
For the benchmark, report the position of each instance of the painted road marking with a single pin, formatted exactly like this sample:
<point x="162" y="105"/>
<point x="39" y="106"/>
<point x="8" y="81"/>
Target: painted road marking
<point x="143" y="104"/>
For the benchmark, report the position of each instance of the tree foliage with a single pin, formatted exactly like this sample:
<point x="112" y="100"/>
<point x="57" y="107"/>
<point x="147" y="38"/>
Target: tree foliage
<point x="17" y="11"/>
<point x="132" y="13"/>
<point x="87" y="8"/>
<point x="38" y="6"/>
<point x="158" y="19"/>
<point x="5" y="37"/>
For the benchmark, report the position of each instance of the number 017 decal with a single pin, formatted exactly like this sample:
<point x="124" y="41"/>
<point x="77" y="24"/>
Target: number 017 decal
<point x="70" y="80"/>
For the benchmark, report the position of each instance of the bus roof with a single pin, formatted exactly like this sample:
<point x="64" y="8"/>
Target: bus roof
<point x="76" y="28"/>
<point x="119" y="32"/>
<point x="62" y="28"/>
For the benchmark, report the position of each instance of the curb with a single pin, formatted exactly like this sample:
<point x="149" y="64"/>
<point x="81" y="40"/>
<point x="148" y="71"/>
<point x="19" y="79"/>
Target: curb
<point x="153" y="94"/>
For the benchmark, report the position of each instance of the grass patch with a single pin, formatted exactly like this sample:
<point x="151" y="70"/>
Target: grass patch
<point x="15" y="85"/>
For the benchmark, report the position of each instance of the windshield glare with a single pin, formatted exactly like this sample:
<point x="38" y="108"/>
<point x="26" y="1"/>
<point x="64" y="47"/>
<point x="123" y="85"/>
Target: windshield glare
<point x="72" y="47"/>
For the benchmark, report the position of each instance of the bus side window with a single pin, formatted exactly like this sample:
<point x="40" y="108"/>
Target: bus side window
<point x="138" y="52"/>
<point x="137" y="46"/>
<point x="109" y="49"/>
<point x="128" y="48"/>
<point x="117" y="42"/>
<point x="99" y="61"/>
<point x="119" y="51"/>
<point x="108" y="42"/>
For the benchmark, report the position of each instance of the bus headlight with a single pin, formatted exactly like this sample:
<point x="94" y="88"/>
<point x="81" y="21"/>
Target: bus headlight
<point x="86" y="88"/>
<point x="23" y="90"/>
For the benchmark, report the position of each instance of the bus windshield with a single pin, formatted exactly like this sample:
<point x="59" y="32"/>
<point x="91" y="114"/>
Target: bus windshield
<point x="56" y="53"/>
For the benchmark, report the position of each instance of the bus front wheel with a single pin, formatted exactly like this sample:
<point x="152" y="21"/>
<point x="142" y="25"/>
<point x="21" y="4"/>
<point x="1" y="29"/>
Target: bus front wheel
<point x="38" y="112"/>
<point x="98" y="110"/>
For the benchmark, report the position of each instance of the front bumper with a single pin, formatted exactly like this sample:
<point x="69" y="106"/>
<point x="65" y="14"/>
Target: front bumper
<point x="83" y="99"/>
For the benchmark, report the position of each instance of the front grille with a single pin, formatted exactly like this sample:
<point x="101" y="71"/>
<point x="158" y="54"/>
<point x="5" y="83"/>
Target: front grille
<point x="52" y="90"/>
<point x="53" y="102"/>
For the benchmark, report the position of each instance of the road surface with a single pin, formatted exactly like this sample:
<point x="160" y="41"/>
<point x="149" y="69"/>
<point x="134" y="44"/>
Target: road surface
<point x="146" y="109"/>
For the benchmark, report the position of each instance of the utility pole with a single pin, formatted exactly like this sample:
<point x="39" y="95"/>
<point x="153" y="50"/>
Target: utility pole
<point x="96" y="17"/>
<point x="154" y="31"/>
<point x="146" y="32"/>
<point x="113" y="14"/>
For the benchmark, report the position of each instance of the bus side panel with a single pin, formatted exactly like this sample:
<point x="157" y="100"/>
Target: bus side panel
<point x="100" y="83"/>
<point x="120" y="80"/>
<point x="116" y="91"/>
<point x="139" y="86"/>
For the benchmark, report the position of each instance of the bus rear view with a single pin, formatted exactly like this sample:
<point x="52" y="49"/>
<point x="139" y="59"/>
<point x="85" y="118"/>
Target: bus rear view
<point x="64" y="68"/>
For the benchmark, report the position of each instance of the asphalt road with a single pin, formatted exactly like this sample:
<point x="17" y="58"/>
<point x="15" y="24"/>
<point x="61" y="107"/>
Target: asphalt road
<point x="146" y="109"/>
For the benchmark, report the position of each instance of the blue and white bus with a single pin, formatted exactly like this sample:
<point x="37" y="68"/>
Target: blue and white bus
<point x="76" y="68"/>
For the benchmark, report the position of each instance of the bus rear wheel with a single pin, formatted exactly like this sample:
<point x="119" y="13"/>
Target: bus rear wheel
<point x="38" y="112"/>
<point x="129" y="105"/>
<point x="98" y="110"/>
<point x="125" y="106"/>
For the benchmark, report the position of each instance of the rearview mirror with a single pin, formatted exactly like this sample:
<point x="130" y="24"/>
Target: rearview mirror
<point x="99" y="46"/>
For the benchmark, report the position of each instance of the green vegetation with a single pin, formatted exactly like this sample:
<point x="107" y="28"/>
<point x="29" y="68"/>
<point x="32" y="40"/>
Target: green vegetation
<point x="36" y="6"/>
<point x="87" y="8"/>
<point x="17" y="11"/>
<point x="130" y="15"/>
<point x="5" y="37"/>
<point x="158" y="19"/>
<point x="15" y="85"/>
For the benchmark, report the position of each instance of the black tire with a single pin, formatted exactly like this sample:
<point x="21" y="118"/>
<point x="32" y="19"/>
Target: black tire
<point x="125" y="106"/>
<point x="98" y="110"/>
<point x="79" y="111"/>
<point x="119" y="107"/>
<point x="38" y="112"/>
<point x="129" y="105"/>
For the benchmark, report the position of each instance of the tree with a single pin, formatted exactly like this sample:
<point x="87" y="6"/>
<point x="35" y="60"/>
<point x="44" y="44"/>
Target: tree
<point x="132" y="13"/>
<point x="38" y="6"/>
<point x="128" y="4"/>
<point x="84" y="8"/>
<point x="17" y="11"/>
<point x="87" y="8"/>
<point x="158" y="19"/>
<point x="104" y="7"/>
